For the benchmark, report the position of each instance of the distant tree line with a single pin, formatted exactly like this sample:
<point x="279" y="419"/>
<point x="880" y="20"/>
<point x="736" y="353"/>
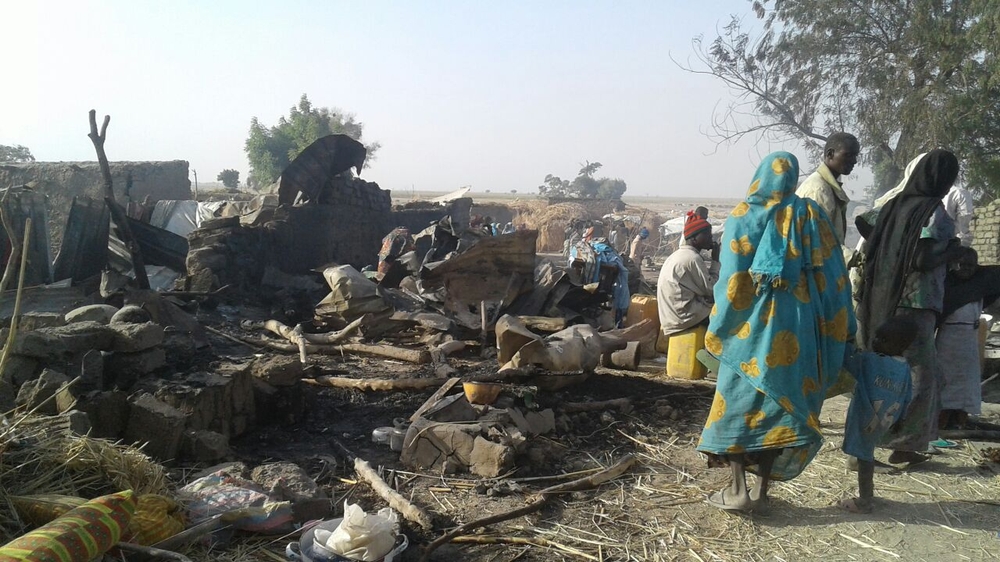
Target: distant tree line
<point x="15" y="153"/>
<point x="584" y="186"/>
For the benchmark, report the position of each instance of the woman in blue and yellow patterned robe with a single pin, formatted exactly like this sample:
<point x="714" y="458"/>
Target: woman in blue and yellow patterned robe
<point x="780" y="327"/>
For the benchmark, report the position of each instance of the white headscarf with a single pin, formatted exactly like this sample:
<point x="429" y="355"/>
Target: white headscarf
<point x="889" y="195"/>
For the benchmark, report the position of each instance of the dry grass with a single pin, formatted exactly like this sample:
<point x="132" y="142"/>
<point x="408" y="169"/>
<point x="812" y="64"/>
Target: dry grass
<point x="551" y="220"/>
<point x="657" y="512"/>
<point x="39" y="455"/>
<point x="947" y="511"/>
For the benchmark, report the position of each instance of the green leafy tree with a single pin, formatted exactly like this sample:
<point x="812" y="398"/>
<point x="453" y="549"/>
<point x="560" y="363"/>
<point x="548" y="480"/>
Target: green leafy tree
<point x="611" y="189"/>
<point x="15" y="153"/>
<point x="229" y="178"/>
<point x="554" y="186"/>
<point x="270" y="149"/>
<point x="903" y="75"/>
<point x="584" y="186"/>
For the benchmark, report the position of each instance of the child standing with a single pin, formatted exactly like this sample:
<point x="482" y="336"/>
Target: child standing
<point x="880" y="398"/>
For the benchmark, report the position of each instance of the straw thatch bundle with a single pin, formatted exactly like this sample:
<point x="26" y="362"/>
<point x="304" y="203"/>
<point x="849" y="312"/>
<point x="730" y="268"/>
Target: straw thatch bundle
<point x="551" y="220"/>
<point x="40" y="455"/>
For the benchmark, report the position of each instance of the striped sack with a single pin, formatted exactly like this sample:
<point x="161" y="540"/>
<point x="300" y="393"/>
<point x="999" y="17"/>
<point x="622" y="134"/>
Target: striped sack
<point x="81" y="535"/>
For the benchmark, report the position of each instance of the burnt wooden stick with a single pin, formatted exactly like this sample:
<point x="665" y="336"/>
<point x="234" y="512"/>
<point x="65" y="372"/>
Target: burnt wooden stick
<point x="588" y="482"/>
<point x="334" y="337"/>
<point x="301" y="339"/>
<point x="438" y="395"/>
<point x="152" y="552"/>
<point x="191" y="534"/>
<point x="365" y="472"/>
<point x="194" y="293"/>
<point x="117" y="213"/>
<point x="623" y="404"/>
<point x="419" y="357"/>
<point x="975" y="434"/>
<point x="374" y="384"/>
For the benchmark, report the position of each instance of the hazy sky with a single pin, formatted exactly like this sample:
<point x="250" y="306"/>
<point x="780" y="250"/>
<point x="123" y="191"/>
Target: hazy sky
<point x="490" y="94"/>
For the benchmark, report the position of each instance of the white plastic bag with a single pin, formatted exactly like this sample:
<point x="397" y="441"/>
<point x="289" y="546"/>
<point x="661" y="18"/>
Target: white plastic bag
<point x="364" y="536"/>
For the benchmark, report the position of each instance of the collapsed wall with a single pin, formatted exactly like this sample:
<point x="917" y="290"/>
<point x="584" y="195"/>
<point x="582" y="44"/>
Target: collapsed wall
<point x="60" y="182"/>
<point x="419" y="215"/>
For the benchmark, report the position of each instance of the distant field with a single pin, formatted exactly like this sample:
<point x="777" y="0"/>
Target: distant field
<point x="665" y="205"/>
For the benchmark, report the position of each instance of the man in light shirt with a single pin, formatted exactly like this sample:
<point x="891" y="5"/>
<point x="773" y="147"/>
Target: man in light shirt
<point x="958" y="205"/>
<point x="840" y="155"/>
<point x="684" y="288"/>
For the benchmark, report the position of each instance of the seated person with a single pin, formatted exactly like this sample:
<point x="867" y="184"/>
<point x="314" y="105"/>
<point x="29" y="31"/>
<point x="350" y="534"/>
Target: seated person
<point x="684" y="288"/>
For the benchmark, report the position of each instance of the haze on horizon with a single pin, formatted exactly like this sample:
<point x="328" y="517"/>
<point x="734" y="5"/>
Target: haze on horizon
<point x="494" y="96"/>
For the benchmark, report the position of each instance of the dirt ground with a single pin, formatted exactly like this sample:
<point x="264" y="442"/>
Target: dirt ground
<point x="946" y="509"/>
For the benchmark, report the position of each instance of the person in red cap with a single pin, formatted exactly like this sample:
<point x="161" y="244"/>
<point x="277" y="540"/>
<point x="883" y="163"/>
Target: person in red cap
<point x="684" y="288"/>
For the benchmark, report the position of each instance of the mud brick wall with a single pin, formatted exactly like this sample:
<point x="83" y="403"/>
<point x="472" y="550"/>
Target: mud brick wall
<point x="62" y="181"/>
<point x="225" y="253"/>
<point x="347" y="228"/>
<point x="312" y="236"/>
<point x="986" y="233"/>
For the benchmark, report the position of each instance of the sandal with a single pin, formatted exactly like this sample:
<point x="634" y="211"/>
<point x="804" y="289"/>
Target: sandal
<point x="943" y="444"/>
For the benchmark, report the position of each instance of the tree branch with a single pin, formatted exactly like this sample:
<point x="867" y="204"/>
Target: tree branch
<point x="117" y="213"/>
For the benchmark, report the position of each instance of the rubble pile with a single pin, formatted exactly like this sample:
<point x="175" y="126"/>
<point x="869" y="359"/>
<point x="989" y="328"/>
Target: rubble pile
<point x="454" y="436"/>
<point x="138" y="365"/>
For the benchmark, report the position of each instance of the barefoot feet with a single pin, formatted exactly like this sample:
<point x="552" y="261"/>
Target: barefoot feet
<point x="856" y="505"/>
<point x="727" y="501"/>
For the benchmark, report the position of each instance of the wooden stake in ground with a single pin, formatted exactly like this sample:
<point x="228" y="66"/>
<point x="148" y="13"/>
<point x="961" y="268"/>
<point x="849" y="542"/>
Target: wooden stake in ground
<point x="586" y="483"/>
<point x="118" y="214"/>
<point x="399" y="503"/>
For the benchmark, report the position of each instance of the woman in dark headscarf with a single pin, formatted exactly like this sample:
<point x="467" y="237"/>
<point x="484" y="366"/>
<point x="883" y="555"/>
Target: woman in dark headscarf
<point x="908" y="250"/>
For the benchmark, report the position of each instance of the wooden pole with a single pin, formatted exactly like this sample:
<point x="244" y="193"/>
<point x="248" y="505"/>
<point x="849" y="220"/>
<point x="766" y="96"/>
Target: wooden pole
<point x="15" y="319"/>
<point x="15" y="249"/>
<point x="118" y="214"/>
<point x="365" y="472"/>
